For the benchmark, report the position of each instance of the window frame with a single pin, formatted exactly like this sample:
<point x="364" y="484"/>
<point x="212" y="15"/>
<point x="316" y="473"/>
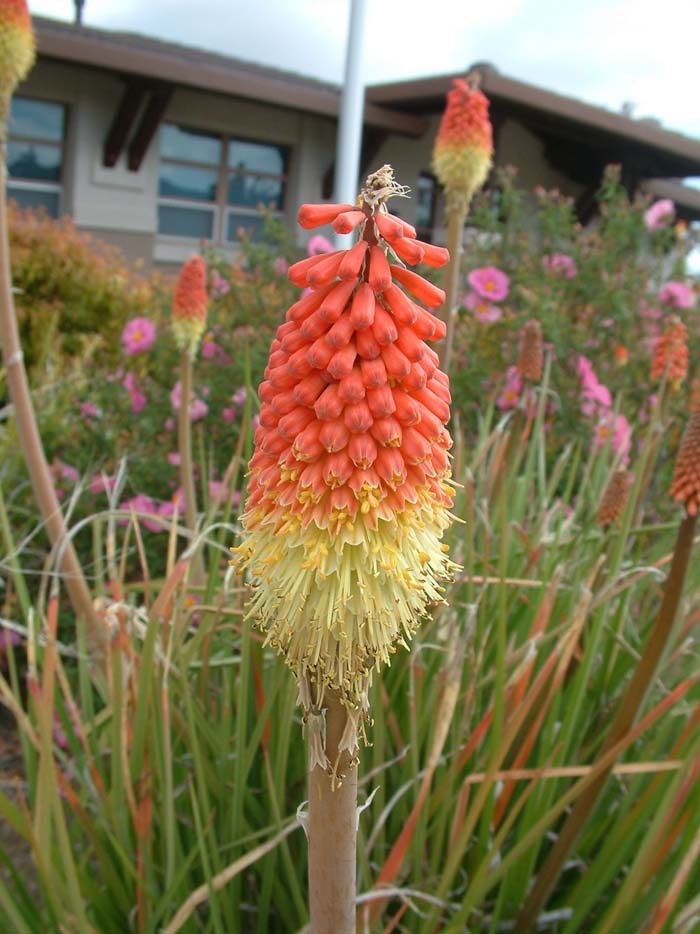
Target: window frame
<point x="28" y="184"/>
<point x="220" y="206"/>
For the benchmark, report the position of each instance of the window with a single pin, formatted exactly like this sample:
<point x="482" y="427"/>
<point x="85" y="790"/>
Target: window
<point x="213" y="186"/>
<point x="35" y="153"/>
<point x="426" y="199"/>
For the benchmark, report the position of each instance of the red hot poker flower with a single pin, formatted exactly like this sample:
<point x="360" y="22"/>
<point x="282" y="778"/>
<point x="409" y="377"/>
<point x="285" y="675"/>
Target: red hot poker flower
<point x="189" y="312"/>
<point x="17" y="46"/>
<point x="463" y="149"/>
<point x="349" y="491"/>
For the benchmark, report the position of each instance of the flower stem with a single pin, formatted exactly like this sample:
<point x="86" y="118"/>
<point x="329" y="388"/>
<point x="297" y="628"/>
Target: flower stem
<point x="627" y="712"/>
<point x="30" y="440"/>
<point x="455" y="231"/>
<point x="184" y="441"/>
<point x="332" y="832"/>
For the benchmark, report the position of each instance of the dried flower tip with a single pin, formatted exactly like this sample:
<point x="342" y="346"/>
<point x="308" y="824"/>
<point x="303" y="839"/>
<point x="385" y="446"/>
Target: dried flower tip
<point x="380" y="186"/>
<point x="189" y="311"/>
<point x="17" y="48"/>
<point x="463" y="150"/>
<point x="531" y="354"/>
<point x="686" y="477"/>
<point x="614" y="499"/>
<point x="670" y="359"/>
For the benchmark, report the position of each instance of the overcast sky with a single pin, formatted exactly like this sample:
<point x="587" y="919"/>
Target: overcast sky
<point x="606" y="52"/>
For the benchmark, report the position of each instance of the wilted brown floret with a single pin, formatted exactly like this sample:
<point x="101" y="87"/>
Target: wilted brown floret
<point x="670" y="359"/>
<point x="614" y="499"/>
<point x="686" y="477"/>
<point x="531" y="354"/>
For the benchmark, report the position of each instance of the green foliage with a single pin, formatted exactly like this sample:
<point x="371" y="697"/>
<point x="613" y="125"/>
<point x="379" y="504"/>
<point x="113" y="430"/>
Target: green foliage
<point x="183" y="758"/>
<point x="74" y="292"/>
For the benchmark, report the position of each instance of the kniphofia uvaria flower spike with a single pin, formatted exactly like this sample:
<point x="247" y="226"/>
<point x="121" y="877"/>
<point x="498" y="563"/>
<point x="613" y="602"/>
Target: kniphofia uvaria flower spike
<point x="17" y="48"/>
<point x="349" y="490"/>
<point x="189" y="312"/>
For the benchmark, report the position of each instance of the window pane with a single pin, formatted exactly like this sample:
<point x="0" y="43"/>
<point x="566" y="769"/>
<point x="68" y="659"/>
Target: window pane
<point x="253" y="226"/>
<point x="257" y="157"/>
<point x="425" y="203"/>
<point x="34" y="160"/>
<point x="252" y="190"/>
<point x="36" y="119"/>
<point x="185" y="222"/>
<point x="185" y="181"/>
<point x="177" y="143"/>
<point x="48" y="200"/>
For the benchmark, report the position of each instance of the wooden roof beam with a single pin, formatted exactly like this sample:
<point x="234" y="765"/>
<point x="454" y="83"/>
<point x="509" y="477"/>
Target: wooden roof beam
<point x="123" y="121"/>
<point x="148" y="125"/>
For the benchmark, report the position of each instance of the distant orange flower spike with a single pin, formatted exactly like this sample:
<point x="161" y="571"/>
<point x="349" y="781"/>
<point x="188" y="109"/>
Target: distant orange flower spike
<point x="189" y="311"/>
<point x="349" y="491"/>
<point x="686" y="478"/>
<point x="17" y="46"/>
<point x="531" y="356"/>
<point x="670" y="358"/>
<point x="463" y="149"/>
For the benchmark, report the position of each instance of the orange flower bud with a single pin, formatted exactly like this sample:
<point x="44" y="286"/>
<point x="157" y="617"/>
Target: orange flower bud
<point x="189" y="311"/>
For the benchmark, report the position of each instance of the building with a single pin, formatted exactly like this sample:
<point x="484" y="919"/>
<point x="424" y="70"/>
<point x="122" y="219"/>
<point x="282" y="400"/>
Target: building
<point x="155" y="146"/>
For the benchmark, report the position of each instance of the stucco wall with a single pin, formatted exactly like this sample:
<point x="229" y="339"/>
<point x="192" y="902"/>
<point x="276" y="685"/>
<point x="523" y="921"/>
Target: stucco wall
<point x="123" y="204"/>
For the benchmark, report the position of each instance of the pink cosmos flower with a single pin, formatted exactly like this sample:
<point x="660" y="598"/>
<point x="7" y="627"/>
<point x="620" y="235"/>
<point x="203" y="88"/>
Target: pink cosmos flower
<point x="510" y="394"/>
<point x="229" y="415"/>
<point x="649" y="313"/>
<point x="198" y="408"/>
<point x="66" y="472"/>
<point x="138" y="336"/>
<point x="239" y="396"/>
<point x="489" y="283"/>
<point x="173" y="459"/>
<point x="677" y="295"/>
<point x="483" y="310"/>
<point x="594" y="395"/>
<point x="219" y="285"/>
<point x="218" y="491"/>
<point x="102" y="483"/>
<point x="660" y="214"/>
<point x="560" y="263"/>
<point x="280" y="266"/>
<point x="9" y="638"/>
<point x="138" y="399"/>
<point x="169" y="424"/>
<point x="141" y="503"/>
<point x="319" y="244"/>
<point x="89" y="410"/>
<point x="213" y="351"/>
<point x="615" y="429"/>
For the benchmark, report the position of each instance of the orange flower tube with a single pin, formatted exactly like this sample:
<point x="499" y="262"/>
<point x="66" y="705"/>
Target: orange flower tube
<point x="349" y="492"/>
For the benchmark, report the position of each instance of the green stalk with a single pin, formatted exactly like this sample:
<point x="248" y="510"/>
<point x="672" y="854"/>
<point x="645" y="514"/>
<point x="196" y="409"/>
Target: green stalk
<point x="455" y="231"/>
<point x="333" y="834"/>
<point x="184" y="443"/>
<point x="30" y="440"/>
<point x="627" y="712"/>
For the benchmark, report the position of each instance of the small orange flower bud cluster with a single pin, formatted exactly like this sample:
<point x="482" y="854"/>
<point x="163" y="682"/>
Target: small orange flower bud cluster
<point x="17" y="47"/>
<point x="531" y="353"/>
<point x="614" y="499"/>
<point x="670" y="358"/>
<point x="350" y="490"/>
<point x="463" y="150"/>
<point x="189" y="312"/>
<point x="686" y="477"/>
